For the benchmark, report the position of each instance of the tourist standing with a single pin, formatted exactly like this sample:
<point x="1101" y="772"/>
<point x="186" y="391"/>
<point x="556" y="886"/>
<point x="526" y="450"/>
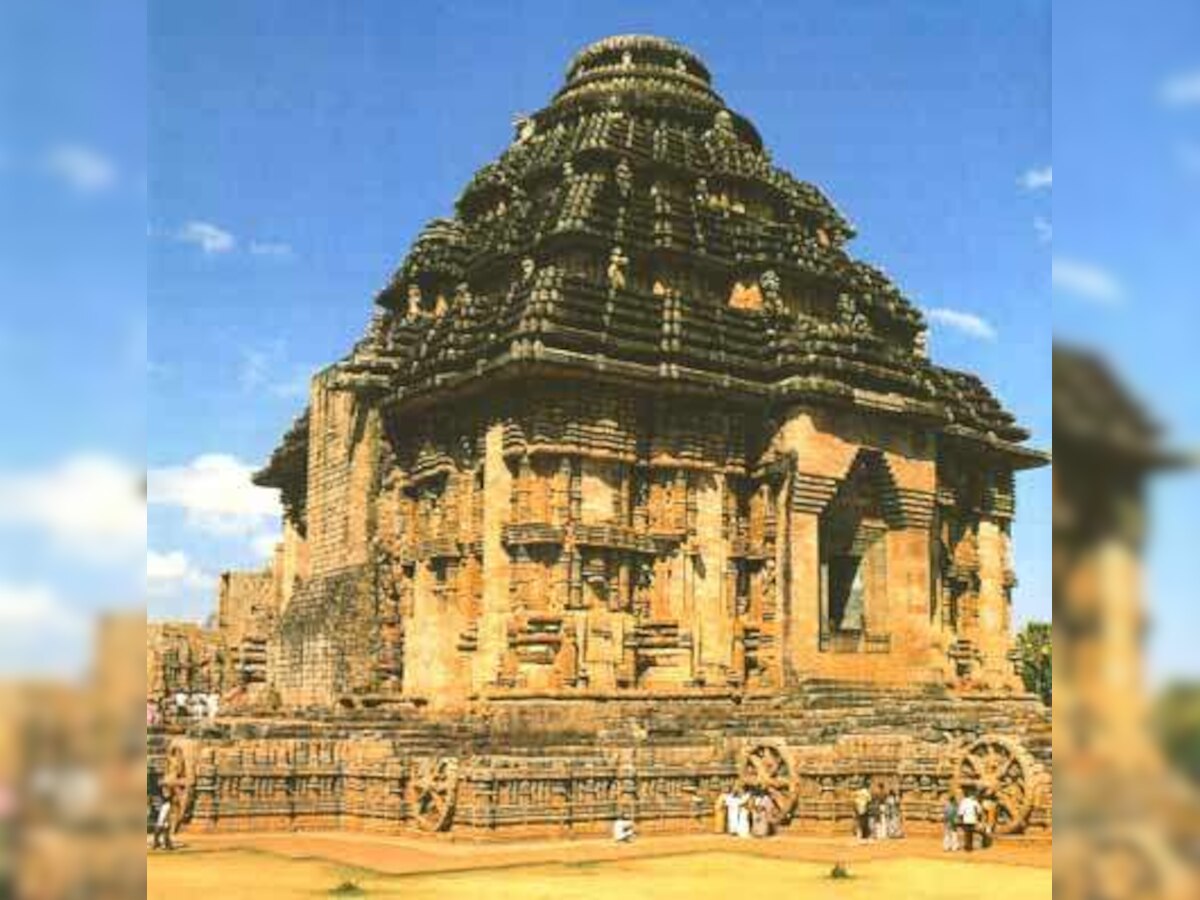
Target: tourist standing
<point x="720" y="813"/>
<point x="743" y="814"/>
<point x="732" y="803"/>
<point x="623" y="830"/>
<point x="950" y="825"/>
<point x="878" y="830"/>
<point x="760" y="823"/>
<point x="988" y="824"/>
<point x="894" y="827"/>
<point x="968" y="816"/>
<point x="162" y="822"/>
<point x="862" y="811"/>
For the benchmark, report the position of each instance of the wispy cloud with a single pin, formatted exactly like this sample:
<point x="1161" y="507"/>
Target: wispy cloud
<point x="89" y="506"/>
<point x="965" y="322"/>
<point x="208" y="237"/>
<point x="1037" y="179"/>
<point x="1045" y="231"/>
<point x="264" y="544"/>
<point x="80" y="168"/>
<point x="1085" y="280"/>
<point x="215" y="492"/>
<point x="275" y="249"/>
<point x="167" y="573"/>
<point x="36" y="609"/>
<point x="267" y="369"/>
<point x="1182" y="89"/>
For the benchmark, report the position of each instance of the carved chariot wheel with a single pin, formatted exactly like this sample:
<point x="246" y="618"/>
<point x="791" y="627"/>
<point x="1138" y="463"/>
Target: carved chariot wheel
<point x="434" y="791"/>
<point x="765" y="768"/>
<point x="1000" y="769"/>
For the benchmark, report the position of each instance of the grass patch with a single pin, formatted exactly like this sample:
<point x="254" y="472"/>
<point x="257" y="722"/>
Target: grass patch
<point x="840" y="871"/>
<point x="347" y="889"/>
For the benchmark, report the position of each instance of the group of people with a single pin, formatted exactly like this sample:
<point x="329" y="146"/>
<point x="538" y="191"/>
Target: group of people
<point x="877" y="813"/>
<point x="744" y="813"/>
<point x="966" y="816"/>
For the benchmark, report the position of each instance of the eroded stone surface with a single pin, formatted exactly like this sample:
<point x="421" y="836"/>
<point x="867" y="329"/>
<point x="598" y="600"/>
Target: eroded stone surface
<point x="632" y="426"/>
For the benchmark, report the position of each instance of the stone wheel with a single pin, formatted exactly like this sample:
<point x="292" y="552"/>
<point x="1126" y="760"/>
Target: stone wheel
<point x="766" y="768"/>
<point x="434" y="788"/>
<point x="1000" y="769"/>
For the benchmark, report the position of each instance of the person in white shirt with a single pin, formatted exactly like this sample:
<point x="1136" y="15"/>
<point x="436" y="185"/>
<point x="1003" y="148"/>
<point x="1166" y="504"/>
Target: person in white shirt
<point x="623" y="831"/>
<point x="162" y="823"/>
<point x="733" y="804"/>
<point x="968" y="817"/>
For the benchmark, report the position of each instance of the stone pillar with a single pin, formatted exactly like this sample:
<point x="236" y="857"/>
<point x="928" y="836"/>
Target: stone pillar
<point x="712" y="623"/>
<point x="910" y="588"/>
<point x="801" y="592"/>
<point x="494" y="611"/>
<point x="993" y="634"/>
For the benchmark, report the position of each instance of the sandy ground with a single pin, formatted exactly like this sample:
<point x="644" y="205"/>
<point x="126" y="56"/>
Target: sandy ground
<point x="689" y="867"/>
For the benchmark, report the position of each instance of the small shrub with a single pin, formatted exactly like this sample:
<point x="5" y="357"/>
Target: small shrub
<point x="347" y="889"/>
<point x="840" y="870"/>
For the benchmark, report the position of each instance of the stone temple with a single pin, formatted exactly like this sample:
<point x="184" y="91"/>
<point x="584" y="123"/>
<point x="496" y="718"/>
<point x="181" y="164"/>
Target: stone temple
<point x="637" y="486"/>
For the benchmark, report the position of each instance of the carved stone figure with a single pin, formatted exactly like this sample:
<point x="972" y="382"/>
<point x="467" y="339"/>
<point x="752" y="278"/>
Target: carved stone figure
<point x="618" y="263"/>
<point x="415" y="309"/>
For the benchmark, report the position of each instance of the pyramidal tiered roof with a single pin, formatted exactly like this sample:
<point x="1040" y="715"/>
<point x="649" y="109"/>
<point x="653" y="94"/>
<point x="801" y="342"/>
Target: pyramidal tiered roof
<point x="637" y="229"/>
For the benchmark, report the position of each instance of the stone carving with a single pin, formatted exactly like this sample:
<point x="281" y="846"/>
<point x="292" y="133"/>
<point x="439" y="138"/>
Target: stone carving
<point x="434" y="790"/>
<point x="997" y="769"/>
<point x="611" y="499"/>
<point x="415" y="310"/>
<point x="618" y="263"/>
<point x="766" y="768"/>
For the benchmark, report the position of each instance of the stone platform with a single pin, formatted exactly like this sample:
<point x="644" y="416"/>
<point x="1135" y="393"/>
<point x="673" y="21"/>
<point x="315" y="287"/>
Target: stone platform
<point x="541" y="766"/>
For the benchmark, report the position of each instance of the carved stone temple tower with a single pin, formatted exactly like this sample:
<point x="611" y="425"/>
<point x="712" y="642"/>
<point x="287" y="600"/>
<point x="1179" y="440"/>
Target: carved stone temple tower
<point x="634" y="422"/>
<point x="637" y="488"/>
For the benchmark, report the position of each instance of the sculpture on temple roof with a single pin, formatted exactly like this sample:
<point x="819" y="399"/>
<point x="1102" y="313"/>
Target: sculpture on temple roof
<point x="526" y="127"/>
<point x="618" y="262"/>
<point x="528" y="268"/>
<point x="414" y="301"/>
<point x="624" y="177"/>
<point x="921" y="344"/>
<point x="769" y="282"/>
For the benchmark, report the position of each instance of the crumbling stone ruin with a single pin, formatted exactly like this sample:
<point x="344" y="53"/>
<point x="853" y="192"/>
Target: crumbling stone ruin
<point x="636" y="485"/>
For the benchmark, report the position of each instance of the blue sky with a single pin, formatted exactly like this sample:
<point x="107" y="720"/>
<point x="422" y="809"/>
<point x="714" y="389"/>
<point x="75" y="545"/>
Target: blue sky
<point x="72" y="325"/>
<point x="332" y="131"/>
<point x="269" y="162"/>
<point x="1127" y="249"/>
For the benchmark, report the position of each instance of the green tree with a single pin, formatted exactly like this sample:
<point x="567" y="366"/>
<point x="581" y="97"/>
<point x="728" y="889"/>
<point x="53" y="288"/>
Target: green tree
<point x="1037" y="659"/>
<point x="1177" y="718"/>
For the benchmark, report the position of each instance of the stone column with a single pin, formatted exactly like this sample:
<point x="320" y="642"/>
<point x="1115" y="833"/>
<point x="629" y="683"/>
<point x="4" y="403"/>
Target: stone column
<point x="801" y="592"/>
<point x="494" y="612"/>
<point x="993" y="635"/>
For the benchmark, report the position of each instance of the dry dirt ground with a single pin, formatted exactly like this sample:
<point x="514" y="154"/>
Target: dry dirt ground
<point x="692" y="867"/>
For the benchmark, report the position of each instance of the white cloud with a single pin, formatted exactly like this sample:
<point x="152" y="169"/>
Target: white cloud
<point x="35" y="610"/>
<point x="1045" y="231"/>
<point x="89" y="505"/>
<point x="80" y="168"/>
<point x="1085" y="280"/>
<point x="216" y="493"/>
<point x="167" y="572"/>
<point x="968" y="323"/>
<point x="1037" y="179"/>
<point x="40" y="635"/>
<point x="271" y="248"/>
<point x="1182" y="89"/>
<point x="264" y="544"/>
<point x="207" y="236"/>
<point x="268" y="369"/>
